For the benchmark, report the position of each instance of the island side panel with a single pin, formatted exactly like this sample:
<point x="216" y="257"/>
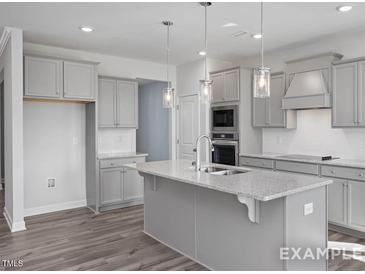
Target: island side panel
<point x="228" y="240"/>
<point x="169" y="213"/>
<point x="304" y="231"/>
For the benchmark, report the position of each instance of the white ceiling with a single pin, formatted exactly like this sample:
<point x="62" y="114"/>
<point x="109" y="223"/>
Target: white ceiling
<point x="134" y="30"/>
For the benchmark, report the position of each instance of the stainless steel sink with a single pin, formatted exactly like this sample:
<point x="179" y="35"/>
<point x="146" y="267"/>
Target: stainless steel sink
<point x="222" y="171"/>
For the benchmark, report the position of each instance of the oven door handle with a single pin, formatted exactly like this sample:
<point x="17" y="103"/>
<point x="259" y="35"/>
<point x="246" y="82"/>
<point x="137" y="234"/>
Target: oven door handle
<point x="225" y="142"/>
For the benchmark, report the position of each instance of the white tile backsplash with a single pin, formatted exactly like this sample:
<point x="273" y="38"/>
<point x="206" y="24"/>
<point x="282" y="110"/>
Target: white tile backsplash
<point x="116" y="140"/>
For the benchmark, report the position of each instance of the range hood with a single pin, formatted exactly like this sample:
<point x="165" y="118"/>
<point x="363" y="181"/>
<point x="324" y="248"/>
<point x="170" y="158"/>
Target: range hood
<point x="309" y="82"/>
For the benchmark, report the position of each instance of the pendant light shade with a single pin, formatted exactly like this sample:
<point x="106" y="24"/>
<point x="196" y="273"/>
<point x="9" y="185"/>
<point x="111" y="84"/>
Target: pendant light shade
<point x="206" y="84"/>
<point x="168" y="93"/>
<point x="261" y="75"/>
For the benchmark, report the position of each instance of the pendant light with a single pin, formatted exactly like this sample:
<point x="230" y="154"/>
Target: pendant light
<point x="261" y="76"/>
<point x="206" y="84"/>
<point x="168" y="92"/>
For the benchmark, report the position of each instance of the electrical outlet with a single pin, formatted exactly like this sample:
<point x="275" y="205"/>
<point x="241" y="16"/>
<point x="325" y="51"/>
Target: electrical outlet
<point x="75" y="140"/>
<point x="308" y="209"/>
<point x="51" y="182"/>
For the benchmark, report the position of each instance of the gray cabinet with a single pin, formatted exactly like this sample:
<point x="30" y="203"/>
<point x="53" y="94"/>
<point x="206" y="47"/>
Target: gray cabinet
<point x="267" y="112"/>
<point x="106" y="102"/>
<point x="42" y="77"/>
<point x="345" y="95"/>
<point x="111" y="190"/>
<point x="356" y="204"/>
<point x="133" y="185"/>
<point x="361" y="94"/>
<point x="118" y="103"/>
<point x="79" y="80"/>
<point x="120" y="186"/>
<point x="337" y="202"/>
<point x="52" y="78"/>
<point x="226" y="86"/>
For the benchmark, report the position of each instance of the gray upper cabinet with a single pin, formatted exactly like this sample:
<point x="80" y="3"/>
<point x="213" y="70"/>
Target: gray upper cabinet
<point x="361" y="94"/>
<point x="345" y="93"/>
<point x="106" y="102"/>
<point x="42" y="77"/>
<point x="79" y="80"/>
<point x="267" y="112"/>
<point x="127" y="104"/>
<point x="52" y="78"/>
<point x="118" y="103"/>
<point x="226" y="86"/>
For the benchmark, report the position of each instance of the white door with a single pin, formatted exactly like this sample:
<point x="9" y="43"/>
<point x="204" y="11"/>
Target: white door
<point x="188" y="126"/>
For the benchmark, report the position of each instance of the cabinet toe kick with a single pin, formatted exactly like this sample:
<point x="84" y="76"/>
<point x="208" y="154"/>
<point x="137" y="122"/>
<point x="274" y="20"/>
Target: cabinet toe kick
<point x="253" y="207"/>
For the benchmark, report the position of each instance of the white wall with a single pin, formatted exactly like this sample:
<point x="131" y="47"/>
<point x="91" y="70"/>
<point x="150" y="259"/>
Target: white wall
<point x="314" y="134"/>
<point x="54" y="147"/>
<point x="11" y="64"/>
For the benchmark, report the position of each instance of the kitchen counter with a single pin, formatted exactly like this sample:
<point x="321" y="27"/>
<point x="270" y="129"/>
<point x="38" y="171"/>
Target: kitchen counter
<point x="356" y="163"/>
<point x="113" y="155"/>
<point x="260" y="185"/>
<point x="224" y="221"/>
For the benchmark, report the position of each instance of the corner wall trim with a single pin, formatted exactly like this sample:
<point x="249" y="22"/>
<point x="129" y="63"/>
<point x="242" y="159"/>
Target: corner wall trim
<point x="14" y="227"/>
<point x="53" y="208"/>
<point x="4" y="40"/>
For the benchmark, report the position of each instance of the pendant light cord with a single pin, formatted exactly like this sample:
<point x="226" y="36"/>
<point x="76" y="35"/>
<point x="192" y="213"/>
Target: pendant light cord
<point x="262" y="34"/>
<point x="206" y="41"/>
<point x="168" y="55"/>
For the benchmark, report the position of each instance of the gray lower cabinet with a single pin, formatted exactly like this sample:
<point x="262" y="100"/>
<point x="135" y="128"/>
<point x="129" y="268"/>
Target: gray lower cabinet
<point x="52" y="78"/>
<point x="267" y="112"/>
<point x="356" y="204"/>
<point x="337" y="202"/>
<point x="118" y="103"/>
<point x="225" y="86"/>
<point x="120" y="186"/>
<point x="43" y="77"/>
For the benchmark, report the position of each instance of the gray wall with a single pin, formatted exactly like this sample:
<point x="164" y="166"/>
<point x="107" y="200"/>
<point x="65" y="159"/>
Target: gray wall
<point x="153" y="131"/>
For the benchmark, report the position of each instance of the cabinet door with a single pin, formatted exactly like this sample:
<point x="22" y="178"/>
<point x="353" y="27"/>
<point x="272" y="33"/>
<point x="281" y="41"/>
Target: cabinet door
<point x="356" y="204"/>
<point x="276" y="117"/>
<point x="361" y="94"/>
<point x="217" y="87"/>
<point x="260" y="111"/>
<point x="133" y="185"/>
<point x="111" y="186"/>
<point x="42" y="77"/>
<point x="344" y="109"/>
<point x="79" y="80"/>
<point x="127" y="104"/>
<point x="337" y="201"/>
<point x="106" y="102"/>
<point x="231" y="85"/>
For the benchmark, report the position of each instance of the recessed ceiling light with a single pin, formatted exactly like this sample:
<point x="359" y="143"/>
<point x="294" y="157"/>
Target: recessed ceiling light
<point x="202" y="53"/>
<point x="344" y="8"/>
<point x="86" y="28"/>
<point x="231" y="24"/>
<point x="239" y="33"/>
<point x="257" y="35"/>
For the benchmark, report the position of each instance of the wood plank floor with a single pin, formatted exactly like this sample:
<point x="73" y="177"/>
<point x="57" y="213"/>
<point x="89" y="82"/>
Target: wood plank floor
<point x="78" y="239"/>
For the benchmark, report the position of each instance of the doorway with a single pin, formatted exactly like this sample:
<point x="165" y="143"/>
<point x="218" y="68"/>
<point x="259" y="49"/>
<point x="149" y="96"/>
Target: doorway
<point x="153" y="135"/>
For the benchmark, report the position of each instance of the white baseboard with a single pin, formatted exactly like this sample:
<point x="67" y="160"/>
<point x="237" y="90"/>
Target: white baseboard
<point x="14" y="227"/>
<point x="53" y="208"/>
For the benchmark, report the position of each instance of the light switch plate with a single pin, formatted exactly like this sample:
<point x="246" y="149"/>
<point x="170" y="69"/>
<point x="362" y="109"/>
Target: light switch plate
<point x="308" y="209"/>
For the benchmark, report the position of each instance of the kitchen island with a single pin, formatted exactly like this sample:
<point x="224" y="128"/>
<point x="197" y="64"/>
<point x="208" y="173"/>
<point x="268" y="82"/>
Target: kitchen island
<point x="236" y="220"/>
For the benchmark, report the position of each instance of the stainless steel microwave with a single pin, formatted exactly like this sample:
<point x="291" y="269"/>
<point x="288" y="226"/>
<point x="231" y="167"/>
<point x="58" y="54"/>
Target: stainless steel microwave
<point x="224" y="118"/>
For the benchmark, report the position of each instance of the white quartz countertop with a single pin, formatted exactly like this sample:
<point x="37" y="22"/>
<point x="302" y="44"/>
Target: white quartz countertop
<point x="263" y="185"/>
<point x="356" y="163"/>
<point x="113" y="155"/>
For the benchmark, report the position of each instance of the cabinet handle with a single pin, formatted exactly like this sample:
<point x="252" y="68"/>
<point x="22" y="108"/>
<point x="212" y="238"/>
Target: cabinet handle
<point x="332" y="171"/>
<point x="112" y="164"/>
<point x="361" y="174"/>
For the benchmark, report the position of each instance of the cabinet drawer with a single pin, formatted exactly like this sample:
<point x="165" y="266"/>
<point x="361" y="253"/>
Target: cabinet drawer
<point x="344" y="172"/>
<point x="256" y="162"/>
<point x="110" y="163"/>
<point x="297" y="167"/>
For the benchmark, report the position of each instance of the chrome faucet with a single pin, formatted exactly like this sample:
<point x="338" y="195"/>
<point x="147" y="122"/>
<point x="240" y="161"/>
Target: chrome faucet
<point x="198" y="164"/>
